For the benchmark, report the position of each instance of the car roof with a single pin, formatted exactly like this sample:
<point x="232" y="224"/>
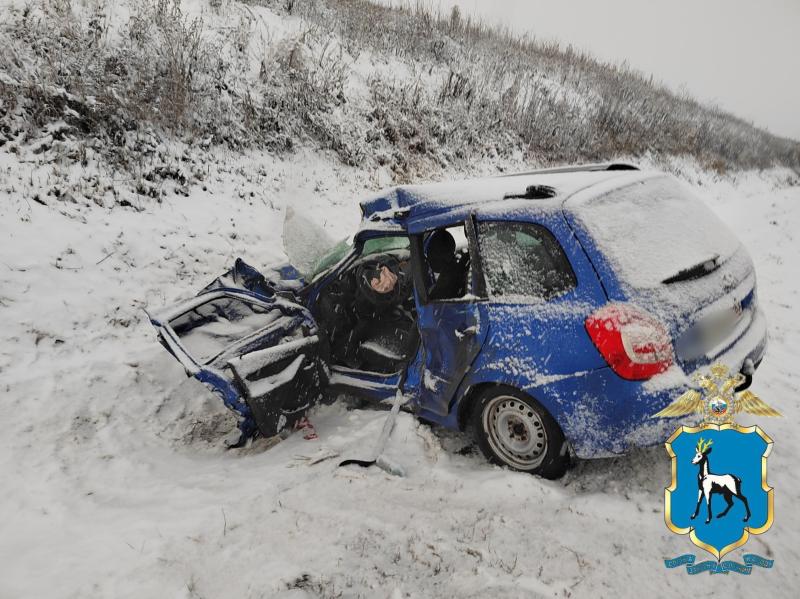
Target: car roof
<point x="545" y="189"/>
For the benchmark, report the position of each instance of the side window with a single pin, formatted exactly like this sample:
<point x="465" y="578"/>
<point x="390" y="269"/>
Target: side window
<point x="446" y="263"/>
<point x="523" y="259"/>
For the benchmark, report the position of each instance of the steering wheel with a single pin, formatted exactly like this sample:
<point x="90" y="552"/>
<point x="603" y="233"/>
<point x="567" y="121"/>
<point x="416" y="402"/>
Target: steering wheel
<point x="370" y="269"/>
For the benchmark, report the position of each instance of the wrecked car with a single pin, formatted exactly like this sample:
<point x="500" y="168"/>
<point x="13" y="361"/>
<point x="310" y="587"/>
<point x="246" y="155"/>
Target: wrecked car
<point x="551" y="312"/>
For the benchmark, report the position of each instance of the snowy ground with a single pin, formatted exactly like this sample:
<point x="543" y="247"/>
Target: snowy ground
<point x="116" y="483"/>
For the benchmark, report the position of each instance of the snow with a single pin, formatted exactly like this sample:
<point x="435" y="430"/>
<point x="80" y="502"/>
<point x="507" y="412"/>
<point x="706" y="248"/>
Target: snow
<point x="673" y="230"/>
<point x="269" y="384"/>
<point x="380" y="349"/>
<point x="122" y="487"/>
<point x="117" y="482"/>
<point x="343" y="377"/>
<point x="484" y="190"/>
<point x="251" y="363"/>
<point x="213" y="326"/>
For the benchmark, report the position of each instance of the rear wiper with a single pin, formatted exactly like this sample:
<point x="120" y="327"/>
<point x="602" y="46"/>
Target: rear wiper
<point x="695" y="272"/>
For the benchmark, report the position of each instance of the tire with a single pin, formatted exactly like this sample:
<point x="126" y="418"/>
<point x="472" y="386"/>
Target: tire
<point x="515" y="431"/>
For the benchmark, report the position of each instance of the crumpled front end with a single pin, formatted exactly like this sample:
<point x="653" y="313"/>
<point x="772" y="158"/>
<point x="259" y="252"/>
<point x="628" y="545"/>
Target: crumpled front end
<point x="247" y="338"/>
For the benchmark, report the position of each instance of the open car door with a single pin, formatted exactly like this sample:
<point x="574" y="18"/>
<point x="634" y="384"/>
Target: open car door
<point x="452" y="328"/>
<point x="252" y="343"/>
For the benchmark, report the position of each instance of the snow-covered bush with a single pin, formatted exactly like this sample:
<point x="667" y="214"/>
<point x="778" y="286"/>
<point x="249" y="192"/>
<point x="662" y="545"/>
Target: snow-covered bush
<point x="302" y="95"/>
<point x="405" y="89"/>
<point x="559" y="104"/>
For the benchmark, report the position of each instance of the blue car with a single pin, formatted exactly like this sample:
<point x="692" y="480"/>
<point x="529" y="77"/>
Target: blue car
<point x="550" y="312"/>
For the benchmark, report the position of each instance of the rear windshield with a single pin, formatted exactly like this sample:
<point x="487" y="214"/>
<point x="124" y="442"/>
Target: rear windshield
<point x="653" y="231"/>
<point x="217" y="324"/>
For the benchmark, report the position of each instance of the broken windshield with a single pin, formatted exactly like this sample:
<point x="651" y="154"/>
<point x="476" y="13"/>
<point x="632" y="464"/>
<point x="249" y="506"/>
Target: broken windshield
<point x="330" y="258"/>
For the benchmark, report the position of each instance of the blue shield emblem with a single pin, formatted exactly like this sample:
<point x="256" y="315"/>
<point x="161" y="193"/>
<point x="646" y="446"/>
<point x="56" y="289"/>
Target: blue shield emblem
<point x="719" y="494"/>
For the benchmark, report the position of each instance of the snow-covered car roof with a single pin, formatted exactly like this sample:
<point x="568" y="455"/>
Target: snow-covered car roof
<point x="547" y="189"/>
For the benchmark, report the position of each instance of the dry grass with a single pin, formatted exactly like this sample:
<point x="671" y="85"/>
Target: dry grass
<point x="469" y="94"/>
<point x="555" y="104"/>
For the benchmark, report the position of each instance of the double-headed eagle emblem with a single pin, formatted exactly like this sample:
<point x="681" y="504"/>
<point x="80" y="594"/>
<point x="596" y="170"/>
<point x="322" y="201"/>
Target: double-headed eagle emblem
<point x="718" y="400"/>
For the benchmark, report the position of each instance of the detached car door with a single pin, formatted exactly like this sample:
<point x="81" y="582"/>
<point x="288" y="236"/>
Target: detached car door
<point x="249" y="340"/>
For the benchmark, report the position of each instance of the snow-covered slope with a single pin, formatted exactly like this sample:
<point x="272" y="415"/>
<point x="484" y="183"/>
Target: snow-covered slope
<point x="115" y="480"/>
<point x="116" y="483"/>
<point x="402" y="92"/>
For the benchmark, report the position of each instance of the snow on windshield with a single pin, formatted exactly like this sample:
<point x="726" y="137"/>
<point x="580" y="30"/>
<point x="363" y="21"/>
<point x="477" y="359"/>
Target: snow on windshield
<point x="654" y="229"/>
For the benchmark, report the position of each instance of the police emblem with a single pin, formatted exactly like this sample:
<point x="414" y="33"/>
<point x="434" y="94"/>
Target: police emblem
<point x="719" y="494"/>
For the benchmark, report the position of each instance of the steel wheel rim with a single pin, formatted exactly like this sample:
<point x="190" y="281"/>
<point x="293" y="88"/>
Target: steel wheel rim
<point x="515" y="432"/>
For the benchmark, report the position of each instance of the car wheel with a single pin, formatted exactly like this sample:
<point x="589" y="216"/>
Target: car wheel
<point x="514" y="430"/>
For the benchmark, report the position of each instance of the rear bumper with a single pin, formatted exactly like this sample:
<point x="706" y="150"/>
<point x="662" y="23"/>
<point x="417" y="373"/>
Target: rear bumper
<point x="604" y="415"/>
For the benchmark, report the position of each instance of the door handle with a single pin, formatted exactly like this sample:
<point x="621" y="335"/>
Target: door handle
<point x="466" y="332"/>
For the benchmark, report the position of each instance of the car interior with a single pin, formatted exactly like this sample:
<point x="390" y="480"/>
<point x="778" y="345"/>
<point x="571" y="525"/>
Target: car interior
<point x="367" y="330"/>
<point x="373" y="331"/>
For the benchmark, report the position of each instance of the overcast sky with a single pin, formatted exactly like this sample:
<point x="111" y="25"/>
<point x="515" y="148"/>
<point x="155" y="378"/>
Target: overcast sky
<point x="743" y="55"/>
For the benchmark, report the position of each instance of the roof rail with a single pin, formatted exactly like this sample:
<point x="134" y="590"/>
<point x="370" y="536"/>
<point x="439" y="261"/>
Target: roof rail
<point x="605" y="166"/>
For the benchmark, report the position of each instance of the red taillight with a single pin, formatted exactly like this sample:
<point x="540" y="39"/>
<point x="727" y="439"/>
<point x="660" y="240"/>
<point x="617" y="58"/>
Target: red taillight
<point x="634" y="343"/>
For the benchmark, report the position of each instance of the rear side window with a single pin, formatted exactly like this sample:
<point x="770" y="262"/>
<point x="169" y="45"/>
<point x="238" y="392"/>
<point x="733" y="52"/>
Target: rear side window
<point x="523" y="259"/>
